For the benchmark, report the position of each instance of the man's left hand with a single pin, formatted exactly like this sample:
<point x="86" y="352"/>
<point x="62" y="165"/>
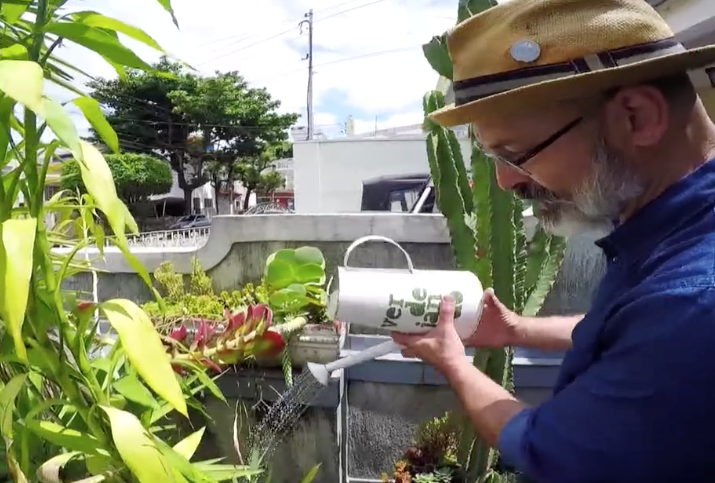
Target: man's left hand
<point x="441" y="347"/>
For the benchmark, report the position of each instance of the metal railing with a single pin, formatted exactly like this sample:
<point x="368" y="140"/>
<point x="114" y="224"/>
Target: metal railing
<point x="189" y="237"/>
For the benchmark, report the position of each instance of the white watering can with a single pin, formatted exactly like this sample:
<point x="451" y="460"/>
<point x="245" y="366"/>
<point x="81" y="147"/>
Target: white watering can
<point x="401" y="300"/>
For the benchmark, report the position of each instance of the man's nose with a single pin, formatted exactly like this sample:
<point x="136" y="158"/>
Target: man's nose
<point x="509" y="177"/>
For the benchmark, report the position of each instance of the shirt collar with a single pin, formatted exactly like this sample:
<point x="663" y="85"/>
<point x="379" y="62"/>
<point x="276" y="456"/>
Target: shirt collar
<point x="678" y="204"/>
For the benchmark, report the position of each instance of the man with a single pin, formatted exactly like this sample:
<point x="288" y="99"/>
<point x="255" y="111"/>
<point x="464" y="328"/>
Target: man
<point x="589" y="108"/>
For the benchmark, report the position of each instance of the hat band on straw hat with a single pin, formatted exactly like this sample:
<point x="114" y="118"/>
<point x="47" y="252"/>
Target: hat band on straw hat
<point x="474" y="89"/>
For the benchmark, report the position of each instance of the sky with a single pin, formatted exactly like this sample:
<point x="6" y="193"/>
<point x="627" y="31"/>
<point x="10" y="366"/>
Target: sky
<point x="367" y="55"/>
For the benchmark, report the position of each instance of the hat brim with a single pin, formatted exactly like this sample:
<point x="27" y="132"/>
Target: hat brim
<point x="579" y="85"/>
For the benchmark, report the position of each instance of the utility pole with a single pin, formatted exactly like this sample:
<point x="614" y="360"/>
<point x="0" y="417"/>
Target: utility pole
<point x="309" y="57"/>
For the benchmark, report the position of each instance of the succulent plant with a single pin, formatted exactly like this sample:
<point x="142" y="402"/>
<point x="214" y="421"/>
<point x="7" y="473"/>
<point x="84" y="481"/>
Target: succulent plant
<point x="245" y="334"/>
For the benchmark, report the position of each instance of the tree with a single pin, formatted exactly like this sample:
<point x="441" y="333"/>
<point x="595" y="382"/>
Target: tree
<point x="136" y="176"/>
<point x="269" y="182"/>
<point x="256" y="173"/>
<point x="192" y="120"/>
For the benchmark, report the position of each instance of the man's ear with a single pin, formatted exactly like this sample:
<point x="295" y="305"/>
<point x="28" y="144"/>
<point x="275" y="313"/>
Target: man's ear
<point x="638" y="116"/>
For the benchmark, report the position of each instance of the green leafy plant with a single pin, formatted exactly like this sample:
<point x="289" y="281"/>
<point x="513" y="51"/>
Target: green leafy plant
<point x="488" y="238"/>
<point x="171" y="282"/>
<point x="199" y="283"/>
<point x="433" y="457"/>
<point x="296" y="279"/>
<point x="136" y="176"/>
<point x="96" y="403"/>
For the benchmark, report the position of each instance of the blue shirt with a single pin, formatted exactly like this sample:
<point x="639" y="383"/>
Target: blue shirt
<point x="635" y="398"/>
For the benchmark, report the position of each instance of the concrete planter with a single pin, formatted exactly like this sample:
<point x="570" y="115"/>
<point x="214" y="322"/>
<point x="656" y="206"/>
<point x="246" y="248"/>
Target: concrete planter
<point x="319" y="343"/>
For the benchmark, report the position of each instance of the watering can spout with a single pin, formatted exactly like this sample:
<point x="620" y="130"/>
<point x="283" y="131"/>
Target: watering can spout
<point x="322" y="372"/>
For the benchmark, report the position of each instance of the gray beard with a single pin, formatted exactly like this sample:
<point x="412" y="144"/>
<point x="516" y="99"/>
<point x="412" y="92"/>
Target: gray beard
<point x="596" y="204"/>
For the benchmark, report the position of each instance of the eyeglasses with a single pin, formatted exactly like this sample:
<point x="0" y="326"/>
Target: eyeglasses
<point x="521" y="160"/>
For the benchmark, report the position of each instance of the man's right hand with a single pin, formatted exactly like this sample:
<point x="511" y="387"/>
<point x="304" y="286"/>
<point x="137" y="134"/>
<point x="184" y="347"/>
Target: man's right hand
<point x="498" y="326"/>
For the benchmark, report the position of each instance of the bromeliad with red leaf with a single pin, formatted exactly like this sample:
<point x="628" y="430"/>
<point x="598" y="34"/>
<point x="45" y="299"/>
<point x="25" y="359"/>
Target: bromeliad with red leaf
<point x="246" y="334"/>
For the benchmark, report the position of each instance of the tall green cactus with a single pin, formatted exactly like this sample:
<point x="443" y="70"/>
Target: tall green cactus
<point x="488" y="238"/>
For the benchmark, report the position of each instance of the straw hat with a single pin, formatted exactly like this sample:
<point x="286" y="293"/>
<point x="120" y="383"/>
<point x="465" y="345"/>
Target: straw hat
<point x="533" y="52"/>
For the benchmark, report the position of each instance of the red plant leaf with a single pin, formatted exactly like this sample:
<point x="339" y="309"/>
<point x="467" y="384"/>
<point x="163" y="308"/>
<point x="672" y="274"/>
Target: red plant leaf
<point x="84" y="305"/>
<point x="178" y="369"/>
<point x="204" y="332"/>
<point x="235" y="322"/>
<point x="211" y="364"/>
<point x="269" y="317"/>
<point x="273" y="342"/>
<point x="179" y="333"/>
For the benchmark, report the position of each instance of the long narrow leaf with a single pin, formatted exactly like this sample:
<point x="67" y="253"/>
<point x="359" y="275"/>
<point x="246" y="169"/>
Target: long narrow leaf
<point x="138" y="448"/>
<point x="94" y="19"/>
<point x="16" y="260"/>
<point x="144" y="350"/>
<point x="99" y="41"/>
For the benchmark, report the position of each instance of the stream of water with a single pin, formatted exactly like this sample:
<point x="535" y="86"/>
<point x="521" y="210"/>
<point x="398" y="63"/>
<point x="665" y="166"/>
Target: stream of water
<point x="283" y="415"/>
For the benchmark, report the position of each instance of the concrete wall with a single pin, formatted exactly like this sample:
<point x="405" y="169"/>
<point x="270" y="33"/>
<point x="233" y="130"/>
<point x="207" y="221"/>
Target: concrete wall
<point x="361" y="423"/>
<point x="329" y="174"/>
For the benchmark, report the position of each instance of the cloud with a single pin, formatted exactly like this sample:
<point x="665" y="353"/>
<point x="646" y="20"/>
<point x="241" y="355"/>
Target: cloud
<point x="367" y="57"/>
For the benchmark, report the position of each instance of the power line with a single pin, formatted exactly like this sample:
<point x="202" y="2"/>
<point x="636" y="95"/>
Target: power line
<point x="339" y="61"/>
<point x="374" y="2"/>
<point x="240" y="49"/>
<point x="285" y="32"/>
<point x="246" y="35"/>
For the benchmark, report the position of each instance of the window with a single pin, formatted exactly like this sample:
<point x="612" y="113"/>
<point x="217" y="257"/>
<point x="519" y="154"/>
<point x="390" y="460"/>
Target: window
<point x="197" y="205"/>
<point x="403" y="200"/>
<point x="208" y="203"/>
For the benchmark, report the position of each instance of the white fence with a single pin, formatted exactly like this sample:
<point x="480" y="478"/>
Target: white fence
<point x="191" y="237"/>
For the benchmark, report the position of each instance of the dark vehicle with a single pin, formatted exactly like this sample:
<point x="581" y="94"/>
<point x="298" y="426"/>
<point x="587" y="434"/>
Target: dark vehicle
<point x="268" y="208"/>
<point x="191" y="221"/>
<point x="410" y="193"/>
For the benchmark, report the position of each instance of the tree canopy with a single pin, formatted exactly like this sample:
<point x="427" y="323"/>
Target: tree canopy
<point x="137" y="176"/>
<point x="196" y="123"/>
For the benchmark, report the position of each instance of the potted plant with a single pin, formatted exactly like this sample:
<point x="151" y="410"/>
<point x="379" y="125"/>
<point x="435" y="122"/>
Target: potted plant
<point x="280" y="321"/>
<point x="433" y="457"/>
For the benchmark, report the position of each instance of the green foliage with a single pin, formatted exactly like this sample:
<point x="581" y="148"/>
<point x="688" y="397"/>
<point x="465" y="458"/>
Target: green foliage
<point x="192" y="113"/>
<point x="199" y="283"/>
<point x="437" y="55"/>
<point x="433" y="458"/>
<point x="292" y="286"/>
<point x="296" y="279"/>
<point x="171" y="282"/>
<point x="439" y="437"/>
<point x="488" y="238"/>
<point x="269" y="182"/>
<point x="136" y="176"/>
<point x="74" y="404"/>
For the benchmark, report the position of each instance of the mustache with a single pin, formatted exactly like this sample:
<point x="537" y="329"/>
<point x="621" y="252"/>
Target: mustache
<point x="535" y="192"/>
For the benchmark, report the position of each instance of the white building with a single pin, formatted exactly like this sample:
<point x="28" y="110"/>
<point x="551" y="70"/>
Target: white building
<point x="329" y="173"/>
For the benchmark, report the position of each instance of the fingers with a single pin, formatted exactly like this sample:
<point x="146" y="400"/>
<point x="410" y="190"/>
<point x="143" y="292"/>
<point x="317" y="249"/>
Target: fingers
<point x="446" y="311"/>
<point x="489" y="297"/>
<point x="405" y="340"/>
<point x="409" y="354"/>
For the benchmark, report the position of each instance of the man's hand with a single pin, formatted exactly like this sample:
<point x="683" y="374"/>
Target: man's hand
<point x="498" y="326"/>
<point x="440" y="347"/>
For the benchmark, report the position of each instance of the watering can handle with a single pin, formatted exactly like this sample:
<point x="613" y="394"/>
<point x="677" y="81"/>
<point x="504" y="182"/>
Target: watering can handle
<point x="370" y="238"/>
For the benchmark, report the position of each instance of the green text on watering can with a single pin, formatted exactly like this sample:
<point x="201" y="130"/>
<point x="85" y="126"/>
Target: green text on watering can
<point x="420" y="304"/>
